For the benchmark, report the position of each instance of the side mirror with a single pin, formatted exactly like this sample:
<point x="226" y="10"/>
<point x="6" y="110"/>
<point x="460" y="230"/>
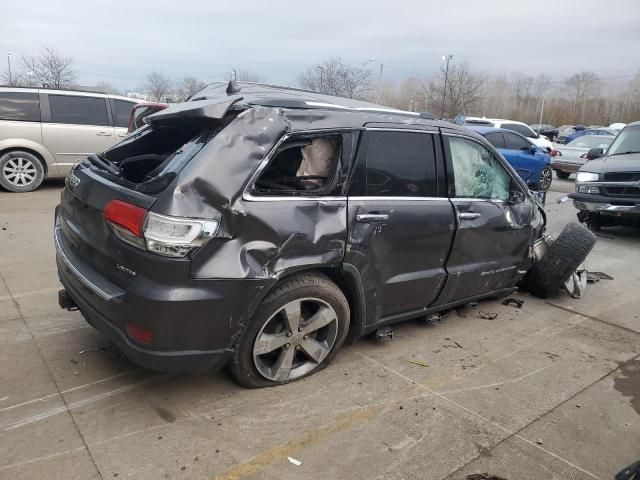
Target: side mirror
<point x="594" y="153"/>
<point x="533" y="149"/>
<point x="516" y="196"/>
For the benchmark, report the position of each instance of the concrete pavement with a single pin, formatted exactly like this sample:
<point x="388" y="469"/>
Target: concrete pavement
<point x="549" y="391"/>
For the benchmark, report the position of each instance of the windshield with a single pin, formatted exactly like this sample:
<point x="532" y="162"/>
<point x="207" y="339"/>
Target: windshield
<point x="627" y="141"/>
<point x="591" y="141"/>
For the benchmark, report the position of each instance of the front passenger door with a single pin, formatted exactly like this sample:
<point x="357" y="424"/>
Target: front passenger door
<point x="493" y="232"/>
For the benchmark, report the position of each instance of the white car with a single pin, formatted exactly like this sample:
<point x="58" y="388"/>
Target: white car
<point x="522" y="128"/>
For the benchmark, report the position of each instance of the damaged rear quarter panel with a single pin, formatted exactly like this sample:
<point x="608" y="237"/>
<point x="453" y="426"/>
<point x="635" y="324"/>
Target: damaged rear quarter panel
<point x="258" y="238"/>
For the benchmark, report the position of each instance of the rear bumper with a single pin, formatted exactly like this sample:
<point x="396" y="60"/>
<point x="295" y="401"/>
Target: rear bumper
<point x="566" y="166"/>
<point x="195" y="322"/>
<point x="606" y="205"/>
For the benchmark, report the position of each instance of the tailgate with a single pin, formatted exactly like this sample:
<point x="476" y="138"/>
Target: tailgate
<point x="82" y="232"/>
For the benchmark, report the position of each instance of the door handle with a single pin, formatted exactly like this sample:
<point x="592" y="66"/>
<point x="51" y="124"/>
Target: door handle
<point x="468" y="215"/>
<point x="103" y="134"/>
<point x="371" y="217"/>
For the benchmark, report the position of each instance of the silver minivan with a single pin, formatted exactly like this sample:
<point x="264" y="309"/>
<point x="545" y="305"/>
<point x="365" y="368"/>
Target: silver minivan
<point x="43" y="132"/>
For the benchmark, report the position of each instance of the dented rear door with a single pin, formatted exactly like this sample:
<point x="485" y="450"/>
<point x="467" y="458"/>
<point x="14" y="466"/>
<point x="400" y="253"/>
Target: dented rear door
<point x="400" y="230"/>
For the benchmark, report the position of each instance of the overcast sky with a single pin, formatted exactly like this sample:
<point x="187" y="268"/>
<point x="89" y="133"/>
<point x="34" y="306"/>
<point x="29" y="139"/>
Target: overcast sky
<point x="120" y="41"/>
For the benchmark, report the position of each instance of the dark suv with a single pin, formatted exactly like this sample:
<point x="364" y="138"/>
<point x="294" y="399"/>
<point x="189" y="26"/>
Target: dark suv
<point x="264" y="226"/>
<point x="608" y="186"/>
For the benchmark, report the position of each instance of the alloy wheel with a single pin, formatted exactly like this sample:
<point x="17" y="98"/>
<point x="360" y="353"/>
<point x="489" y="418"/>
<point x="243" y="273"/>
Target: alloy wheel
<point x="295" y="339"/>
<point x="545" y="179"/>
<point x="20" y="171"/>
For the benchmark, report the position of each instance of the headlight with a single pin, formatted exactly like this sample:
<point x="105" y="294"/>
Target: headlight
<point x="587" y="177"/>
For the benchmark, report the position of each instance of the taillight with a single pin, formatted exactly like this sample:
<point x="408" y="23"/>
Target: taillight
<point x="160" y="234"/>
<point x="556" y="153"/>
<point x="125" y="215"/>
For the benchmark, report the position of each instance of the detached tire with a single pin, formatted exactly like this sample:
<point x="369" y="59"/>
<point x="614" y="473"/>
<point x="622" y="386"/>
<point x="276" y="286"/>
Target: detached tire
<point x="564" y="256"/>
<point x="294" y="333"/>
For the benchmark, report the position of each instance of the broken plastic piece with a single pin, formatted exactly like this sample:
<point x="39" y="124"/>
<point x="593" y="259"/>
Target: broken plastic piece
<point x="576" y="284"/>
<point x="593" y="277"/>
<point x="487" y="315"/>
<point x="297" y="463"/>
<point x="384" y="334"/>
<point x="513" y="301"/>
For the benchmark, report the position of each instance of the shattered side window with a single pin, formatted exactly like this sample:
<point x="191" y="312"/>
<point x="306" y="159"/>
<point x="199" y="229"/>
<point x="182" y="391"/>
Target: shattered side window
<point x="303" y="165"/>
<point x="477" y="173"/>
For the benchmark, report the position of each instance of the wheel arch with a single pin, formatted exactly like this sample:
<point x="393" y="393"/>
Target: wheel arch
<point x="29" y="149"/>
<point x="348" y="279"/>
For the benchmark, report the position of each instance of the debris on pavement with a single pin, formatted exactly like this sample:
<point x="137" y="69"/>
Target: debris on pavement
<point x="513" y="301"/>
<point x="539" y="441"/>
<point x="576" y="284"/>
<point x="297" y="463"/>
<point x="420" y="363"/>
<point x="483" y="476"/>
<point x="487" y="315"/>
<point x="593" y="277"/>
<point x="563" y="199"/>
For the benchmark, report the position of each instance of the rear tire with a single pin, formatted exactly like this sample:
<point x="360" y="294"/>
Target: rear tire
<point x="562" y="175"/>
<point x="271" y="341"/>
<point x="564" y="256"/>
<point x="20" y="171"/>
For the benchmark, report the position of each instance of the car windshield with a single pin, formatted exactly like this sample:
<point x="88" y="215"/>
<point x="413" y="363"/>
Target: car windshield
<point x="627" y="141"/>
<point x="591" y="141"/>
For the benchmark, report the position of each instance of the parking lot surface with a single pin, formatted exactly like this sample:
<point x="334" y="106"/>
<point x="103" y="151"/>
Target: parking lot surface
<point x="548" y="391"/>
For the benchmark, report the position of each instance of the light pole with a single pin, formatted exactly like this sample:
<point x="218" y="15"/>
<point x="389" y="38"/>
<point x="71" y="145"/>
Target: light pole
<point x="9" y="63"/>
<point x="321" y="68"/>
<point x="446" y="77"/>
<point x="373" y="60"/>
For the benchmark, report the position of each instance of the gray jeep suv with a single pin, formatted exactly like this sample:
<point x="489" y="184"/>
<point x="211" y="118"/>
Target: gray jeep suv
<point x="263" y="227"/>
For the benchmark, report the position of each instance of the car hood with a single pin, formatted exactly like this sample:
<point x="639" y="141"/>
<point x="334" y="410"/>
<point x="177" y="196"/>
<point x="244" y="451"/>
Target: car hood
<point x="616" y="163"/>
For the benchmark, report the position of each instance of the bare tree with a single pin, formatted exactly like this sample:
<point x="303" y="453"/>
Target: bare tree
<point x="336" y="78"/>
<point x="16" y="79"/>
<point x="189" y="86"/>
<point x="106" y="87"/>
<point x="157" y="85"/>
<point x="582" y="86"/>
<point x="244" y="75"/>
<point x="50" y="68"/>
<point x="464" y="90"/>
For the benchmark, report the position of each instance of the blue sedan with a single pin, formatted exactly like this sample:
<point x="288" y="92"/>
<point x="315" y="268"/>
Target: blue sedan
<point x="529" y="160"/>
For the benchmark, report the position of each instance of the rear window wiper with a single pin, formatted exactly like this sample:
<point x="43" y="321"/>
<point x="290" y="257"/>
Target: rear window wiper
<point x="103" y="164"/>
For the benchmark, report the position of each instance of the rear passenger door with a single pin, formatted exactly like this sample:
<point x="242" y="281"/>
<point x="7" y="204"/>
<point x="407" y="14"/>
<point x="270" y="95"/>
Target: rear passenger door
<point x="399" y="227"/>
<point x="75" y="126"/>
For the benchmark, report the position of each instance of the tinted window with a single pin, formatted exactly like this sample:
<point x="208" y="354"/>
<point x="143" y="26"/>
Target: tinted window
<point x="400" y="164"/>
<point x="121" y="112"/>
<point x="19" y="106"/>
<point x="476" y="172"/>
<point x="514" y="142"/>
<point x="496" y="139"/>
<point x="78" y="110"/>
<point x="521" y="129"/>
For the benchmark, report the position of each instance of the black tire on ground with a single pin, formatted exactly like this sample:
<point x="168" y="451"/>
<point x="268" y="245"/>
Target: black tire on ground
<point x="20" y="171"/>
<point x="301" y="286"/>
<point x="562" y="175"/>
<point x="564" y="256"/>
<point x="546" y="177"/>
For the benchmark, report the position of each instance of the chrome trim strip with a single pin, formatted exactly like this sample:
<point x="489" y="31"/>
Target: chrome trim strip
<point x="85" y="281"/>
<point x="610" y="183"/>
<point x="382" y="198"/>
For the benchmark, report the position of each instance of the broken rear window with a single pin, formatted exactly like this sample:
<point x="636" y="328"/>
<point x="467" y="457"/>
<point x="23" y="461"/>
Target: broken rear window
<point x="304" y="165"/>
